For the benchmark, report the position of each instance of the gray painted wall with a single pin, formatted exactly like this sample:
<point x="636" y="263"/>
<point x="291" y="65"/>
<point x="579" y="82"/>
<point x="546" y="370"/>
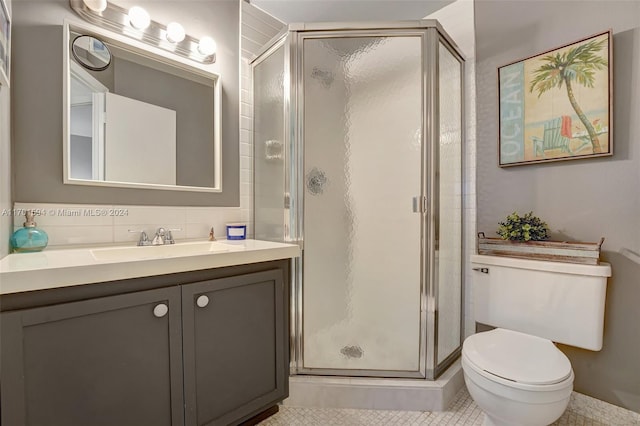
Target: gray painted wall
<point x="582" y="199"/>
<point x="37" y="104"/>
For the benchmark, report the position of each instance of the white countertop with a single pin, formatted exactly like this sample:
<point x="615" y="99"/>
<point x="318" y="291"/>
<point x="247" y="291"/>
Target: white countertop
<point x="55" y="268"/>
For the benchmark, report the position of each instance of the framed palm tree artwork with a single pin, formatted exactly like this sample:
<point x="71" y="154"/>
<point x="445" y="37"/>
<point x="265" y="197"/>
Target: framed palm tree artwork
<point x="557" y="105"/>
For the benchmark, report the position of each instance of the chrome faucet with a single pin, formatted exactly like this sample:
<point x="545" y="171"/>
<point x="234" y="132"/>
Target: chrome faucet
<point x="164" y="236"/>
<point x="168" y="238"/>
<point x="144" y="239"/>
<point x="159" y="239"/>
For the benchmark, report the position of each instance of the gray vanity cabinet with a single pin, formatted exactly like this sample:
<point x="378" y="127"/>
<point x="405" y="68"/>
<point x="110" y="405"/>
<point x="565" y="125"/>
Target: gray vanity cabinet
<point x="205" y="347"/>
<point x="108" y="361"/>
<point x="234" y="347"/>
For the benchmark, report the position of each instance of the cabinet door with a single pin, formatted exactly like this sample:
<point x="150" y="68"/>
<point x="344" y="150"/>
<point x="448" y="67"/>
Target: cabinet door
<point x="109" y="361"/>
<point x="235" y="351"/>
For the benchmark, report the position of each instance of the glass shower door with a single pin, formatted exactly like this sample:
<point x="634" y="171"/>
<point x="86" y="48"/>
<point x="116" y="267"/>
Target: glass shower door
<point x="449" y="253"/>
<point x="363" y="221"/>
<point x="269" y="145"/>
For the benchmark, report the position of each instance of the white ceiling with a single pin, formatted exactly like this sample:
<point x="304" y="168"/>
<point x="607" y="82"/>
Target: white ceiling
<point x="289" y="11"/>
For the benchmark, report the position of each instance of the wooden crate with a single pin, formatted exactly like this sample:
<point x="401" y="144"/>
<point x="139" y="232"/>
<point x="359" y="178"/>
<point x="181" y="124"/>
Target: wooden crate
<point x="554" y="251"/>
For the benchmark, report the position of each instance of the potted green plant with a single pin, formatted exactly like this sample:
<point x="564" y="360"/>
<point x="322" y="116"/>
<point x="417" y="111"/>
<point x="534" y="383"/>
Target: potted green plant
<point x="523" y="228"/>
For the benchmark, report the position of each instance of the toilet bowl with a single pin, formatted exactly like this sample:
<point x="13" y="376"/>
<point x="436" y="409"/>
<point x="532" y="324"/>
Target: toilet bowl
<point x="515" y="373"/>
<point x="516" y="379"/>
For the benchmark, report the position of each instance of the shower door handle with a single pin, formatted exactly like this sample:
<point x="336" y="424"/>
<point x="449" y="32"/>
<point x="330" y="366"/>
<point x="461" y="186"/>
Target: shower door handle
<point x="420" y="204"/>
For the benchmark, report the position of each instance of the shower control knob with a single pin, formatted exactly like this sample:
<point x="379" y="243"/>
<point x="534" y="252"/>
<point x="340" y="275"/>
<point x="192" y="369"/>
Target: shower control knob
<point x="202" y="301"/>
<point x="160" y="310"/>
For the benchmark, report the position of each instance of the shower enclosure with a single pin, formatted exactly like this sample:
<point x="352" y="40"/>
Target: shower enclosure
<point x="357" y="135"/>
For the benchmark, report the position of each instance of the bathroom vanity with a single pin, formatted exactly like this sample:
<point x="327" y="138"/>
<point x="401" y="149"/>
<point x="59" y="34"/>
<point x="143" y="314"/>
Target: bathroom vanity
<point x="199" y="339"/>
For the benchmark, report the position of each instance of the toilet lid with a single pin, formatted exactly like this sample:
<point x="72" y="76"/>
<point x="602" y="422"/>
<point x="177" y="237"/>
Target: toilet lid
<point x="517" y="356"/>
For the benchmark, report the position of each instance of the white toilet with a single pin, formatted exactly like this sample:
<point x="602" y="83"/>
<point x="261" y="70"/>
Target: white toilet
<point x="515" y="373"/>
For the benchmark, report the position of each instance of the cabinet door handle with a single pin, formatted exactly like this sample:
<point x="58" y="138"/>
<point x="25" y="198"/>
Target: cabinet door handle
<point x="202" y="301"/>
<point x="160" y="310"/>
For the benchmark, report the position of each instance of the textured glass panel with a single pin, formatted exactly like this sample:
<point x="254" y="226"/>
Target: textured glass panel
<point x="450" y="232"/>
<point x="268" y="142"/>
<point x="362" y="136"/>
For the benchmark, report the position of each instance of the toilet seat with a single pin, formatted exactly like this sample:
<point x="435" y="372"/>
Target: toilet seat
<point x="516" y="357"/>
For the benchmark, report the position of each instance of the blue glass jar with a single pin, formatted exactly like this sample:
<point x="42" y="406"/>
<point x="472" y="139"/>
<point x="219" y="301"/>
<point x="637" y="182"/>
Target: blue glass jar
<point x="29" y="238"/>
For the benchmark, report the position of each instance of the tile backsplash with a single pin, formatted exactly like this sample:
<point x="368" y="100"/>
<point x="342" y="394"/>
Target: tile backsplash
<point x="70" y="224"/>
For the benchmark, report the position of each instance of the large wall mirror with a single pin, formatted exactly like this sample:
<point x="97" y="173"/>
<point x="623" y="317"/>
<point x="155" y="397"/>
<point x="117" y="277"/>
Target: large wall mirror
<point x="137" y="119"/>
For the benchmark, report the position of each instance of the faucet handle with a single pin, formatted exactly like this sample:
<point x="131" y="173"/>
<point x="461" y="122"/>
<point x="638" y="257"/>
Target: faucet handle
<point x="168" y="237"/>
<point x="144" y="239"/>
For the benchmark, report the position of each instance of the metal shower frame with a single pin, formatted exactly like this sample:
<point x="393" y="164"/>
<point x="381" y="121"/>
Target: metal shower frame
<point x="431" y="34"/>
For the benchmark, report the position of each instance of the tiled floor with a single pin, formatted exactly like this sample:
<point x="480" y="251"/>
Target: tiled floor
<point x="582" y="411"/>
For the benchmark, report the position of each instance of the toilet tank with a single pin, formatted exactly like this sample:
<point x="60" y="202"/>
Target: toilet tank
<point x="562" y="302"/>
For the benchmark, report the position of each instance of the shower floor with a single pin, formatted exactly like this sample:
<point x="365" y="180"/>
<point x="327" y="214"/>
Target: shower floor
<point x="583" y="410"/>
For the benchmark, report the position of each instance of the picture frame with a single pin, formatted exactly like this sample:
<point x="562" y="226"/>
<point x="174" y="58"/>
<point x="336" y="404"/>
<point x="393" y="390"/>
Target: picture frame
<point x="5" y="44"/>
<point x="557" y="105"/>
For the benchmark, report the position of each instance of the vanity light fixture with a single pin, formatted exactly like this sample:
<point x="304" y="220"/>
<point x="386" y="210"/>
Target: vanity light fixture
<point x="139" y="18"/>
<point x="207" y="46"/>
<point x="96" y="5"/>
<point x="136" y="23"/>
<point x="175" y="32"/>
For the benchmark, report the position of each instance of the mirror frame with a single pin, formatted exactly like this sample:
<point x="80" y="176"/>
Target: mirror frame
<point x="153" y="53"/>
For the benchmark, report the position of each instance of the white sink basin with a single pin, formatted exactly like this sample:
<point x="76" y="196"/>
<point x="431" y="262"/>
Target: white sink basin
<point x="158" y="252"/>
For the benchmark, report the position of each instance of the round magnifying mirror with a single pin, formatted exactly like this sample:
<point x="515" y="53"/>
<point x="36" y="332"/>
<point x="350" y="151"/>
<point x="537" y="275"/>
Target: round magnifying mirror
<point x="91" y="53"/>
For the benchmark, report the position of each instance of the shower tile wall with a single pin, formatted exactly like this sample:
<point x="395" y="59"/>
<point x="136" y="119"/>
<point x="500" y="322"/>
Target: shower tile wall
<point x="246" y="149"/>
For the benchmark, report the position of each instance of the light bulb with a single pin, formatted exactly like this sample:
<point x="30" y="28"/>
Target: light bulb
<point x="207" y="46"/>
<point x="139" y="18"/>
<point x="175" y="32"/>
<point x="96" y="5"/>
